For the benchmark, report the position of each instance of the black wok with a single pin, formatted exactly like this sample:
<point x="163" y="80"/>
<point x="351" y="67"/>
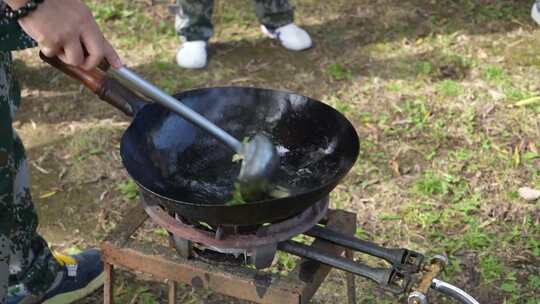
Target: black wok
<point x="180" y="167"/>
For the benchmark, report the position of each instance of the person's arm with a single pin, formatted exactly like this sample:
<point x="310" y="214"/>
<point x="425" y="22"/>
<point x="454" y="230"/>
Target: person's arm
<point x="64" y="28"/>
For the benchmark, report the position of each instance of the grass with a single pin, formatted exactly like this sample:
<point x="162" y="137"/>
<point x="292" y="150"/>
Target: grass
<point x="495" y="74"/>
<point x="450" y="88"/>
<point x="338" y="72"/>
<point x="429" y="184"/>
<point x="430" y="87"/>
<point x="491" y="268"/>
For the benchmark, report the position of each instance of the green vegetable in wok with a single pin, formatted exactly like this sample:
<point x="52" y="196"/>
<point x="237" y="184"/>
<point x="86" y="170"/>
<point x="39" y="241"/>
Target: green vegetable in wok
<point x="244" y="195"/>
<point x="237" y="157"/>
<point x="238" y="198"/>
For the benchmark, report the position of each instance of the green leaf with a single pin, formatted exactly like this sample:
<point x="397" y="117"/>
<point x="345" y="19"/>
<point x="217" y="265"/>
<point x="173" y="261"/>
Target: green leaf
<point x="509" y="287"/>
<point x="237" y="157"/>
<point x="237" y="198"/>
<point x="161" y="232"/>
<point x="530" y="155"/>
<point x="129" y="189"/>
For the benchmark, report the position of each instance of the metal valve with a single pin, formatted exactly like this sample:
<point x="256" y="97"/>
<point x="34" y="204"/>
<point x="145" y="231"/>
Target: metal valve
<point x="453" y="292"/>
<point x="417" y="297"/>
<point x="428" y="280"/>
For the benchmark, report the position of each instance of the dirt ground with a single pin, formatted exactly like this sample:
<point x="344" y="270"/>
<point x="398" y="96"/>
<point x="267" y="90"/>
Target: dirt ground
<point x="442" y="94"/>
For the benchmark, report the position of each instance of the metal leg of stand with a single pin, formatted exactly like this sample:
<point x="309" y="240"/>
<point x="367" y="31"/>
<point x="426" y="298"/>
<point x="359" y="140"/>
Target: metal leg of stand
<point x="172" y="292"/>
<point x="108" y="284"/>
<point x="351" y="285"/>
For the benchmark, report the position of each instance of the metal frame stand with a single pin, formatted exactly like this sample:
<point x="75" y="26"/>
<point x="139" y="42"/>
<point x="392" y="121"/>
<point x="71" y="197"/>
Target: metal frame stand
<point x="165" y="264"/>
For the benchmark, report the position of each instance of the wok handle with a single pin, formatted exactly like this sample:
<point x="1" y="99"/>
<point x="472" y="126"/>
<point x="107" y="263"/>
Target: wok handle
<point x="93" y="79"/>
<point x="106" y="88"/>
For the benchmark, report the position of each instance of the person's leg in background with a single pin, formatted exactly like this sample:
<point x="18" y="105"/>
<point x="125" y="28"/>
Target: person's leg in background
<point x="277" y="22"/>
<point x="194" y="26"/>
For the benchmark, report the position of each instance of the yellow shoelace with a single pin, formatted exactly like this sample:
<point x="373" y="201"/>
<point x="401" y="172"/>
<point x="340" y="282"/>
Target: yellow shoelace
<point x="64" y="259"/>
<point x="68" y="261"/>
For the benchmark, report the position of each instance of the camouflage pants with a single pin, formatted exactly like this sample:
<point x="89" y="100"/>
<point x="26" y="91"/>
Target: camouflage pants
<point x="194" y="18"/>
<point x="24" y="256"/>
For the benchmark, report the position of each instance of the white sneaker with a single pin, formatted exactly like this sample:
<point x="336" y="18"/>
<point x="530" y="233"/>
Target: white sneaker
<point x="291" y="36"/>
<point x="535" y="13"/>
<point x="192" y="55"/>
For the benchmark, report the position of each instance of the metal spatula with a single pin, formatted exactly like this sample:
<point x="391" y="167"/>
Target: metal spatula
<point x="260" y="157"/>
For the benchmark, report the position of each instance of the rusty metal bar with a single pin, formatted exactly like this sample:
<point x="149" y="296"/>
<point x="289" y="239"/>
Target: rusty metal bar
<point x="172" y="291"/>
<point x="271" y="235"/>
<point x="108" y="296"/>
<point x="163" y="263"/>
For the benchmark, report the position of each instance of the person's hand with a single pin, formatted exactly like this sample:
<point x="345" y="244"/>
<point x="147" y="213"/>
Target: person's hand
<point x="67" y="29"/>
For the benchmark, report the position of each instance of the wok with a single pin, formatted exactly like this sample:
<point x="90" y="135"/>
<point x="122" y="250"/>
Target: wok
<point x="188" y="172"/>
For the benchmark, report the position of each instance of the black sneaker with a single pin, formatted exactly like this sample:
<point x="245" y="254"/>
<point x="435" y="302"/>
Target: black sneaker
<point x="82" y="275"/>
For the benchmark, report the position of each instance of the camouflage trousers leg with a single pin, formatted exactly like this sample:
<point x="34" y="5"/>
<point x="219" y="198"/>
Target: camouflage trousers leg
<point x="194" y="17"/>
<point x="24" y="256"/>
<point x="274" y="13"/>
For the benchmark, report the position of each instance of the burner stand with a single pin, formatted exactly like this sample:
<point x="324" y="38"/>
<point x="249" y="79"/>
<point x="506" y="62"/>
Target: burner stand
<point x="165" y="264"/>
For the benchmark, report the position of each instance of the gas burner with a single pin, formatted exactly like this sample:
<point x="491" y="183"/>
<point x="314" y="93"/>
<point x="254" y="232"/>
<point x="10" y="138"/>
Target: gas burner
<point x="215" y="257"/>
<point x="256" y="245"/>
<point x="260" y="257"/>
